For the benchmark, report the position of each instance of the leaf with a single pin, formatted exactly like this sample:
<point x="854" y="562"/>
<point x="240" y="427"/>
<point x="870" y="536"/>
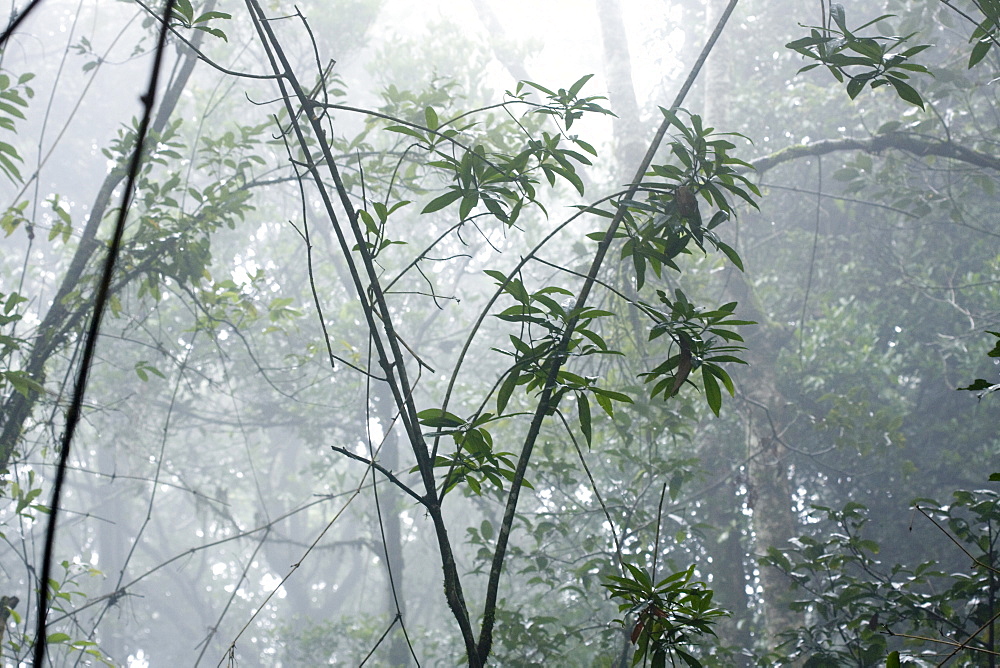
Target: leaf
<point x="979" y="384"/>
<point x="441" y="202"/>
<point x="839" y="17"/>
<point x="892" y="661"/>
<point x="855" y="86"/>
<point x="431" y="118"/>
<point x="905" y="91"/>
<point x="605" y="403"/>
<point x="575" y="88"/>
<point x="537" y="87"/>
<point x="404" y="130"/>
<point x="712" y="392"/>
<point x="731" y="253"/>
<point x="506" y="389"/>
<point x="469" y="202"/>
<point x="215" y="32"/>
<point x="583" y="407"/>
<point x="435" y="417"/>
<point x="21" y="383"/>
<point x="803" y="43"/>
<point x="611" y="394"/>
<point x="867" y="47"/>
<point x="979" y="52"/>
<point x="208" y="16"/>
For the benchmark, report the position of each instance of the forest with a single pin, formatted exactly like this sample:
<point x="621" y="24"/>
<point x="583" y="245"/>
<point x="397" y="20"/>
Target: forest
<point x="464" y="332"/>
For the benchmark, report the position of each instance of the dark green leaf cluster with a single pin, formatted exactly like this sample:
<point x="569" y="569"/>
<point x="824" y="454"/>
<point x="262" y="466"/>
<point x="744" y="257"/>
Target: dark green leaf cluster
<point x="543" y="322"/>
<point x="174" y="218"/>
<point x="986" y="33"/>
<point x="670" y="615"/>
<point x="862" y="60"/>
<point x="183" y="13"/>
<point x="662" y="226"/>
<point x="703" y="340"/>
<point x="503" y="183"/>
<point x="474" y="460"/>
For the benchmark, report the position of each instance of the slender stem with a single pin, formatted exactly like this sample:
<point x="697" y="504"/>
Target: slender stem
<point x="549" y="396"/>
<point x="379" y="322"/>
<point x="90" y="346"/>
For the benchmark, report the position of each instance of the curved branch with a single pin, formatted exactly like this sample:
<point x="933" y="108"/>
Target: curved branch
<point x="914" y="144"/>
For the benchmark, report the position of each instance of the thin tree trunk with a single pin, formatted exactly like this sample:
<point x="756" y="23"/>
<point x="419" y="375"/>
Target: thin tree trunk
<point x="391" y="502"/>
<point x="627" y="129"/>
<point x="769" y="487"/>
<point x="774" y="522"/>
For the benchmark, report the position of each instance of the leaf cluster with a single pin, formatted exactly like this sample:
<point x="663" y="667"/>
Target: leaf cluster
<point x="862" y="607"/>
<point x="704" y="339"/>
<point x="862" y="60"/>
<point x="662" y="226"/>
<point x="671" y="615"/>
<point x="14" y="96"/>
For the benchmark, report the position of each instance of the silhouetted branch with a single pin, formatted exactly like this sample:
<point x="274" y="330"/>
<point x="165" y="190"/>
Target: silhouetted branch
<point x="917" y="145"/>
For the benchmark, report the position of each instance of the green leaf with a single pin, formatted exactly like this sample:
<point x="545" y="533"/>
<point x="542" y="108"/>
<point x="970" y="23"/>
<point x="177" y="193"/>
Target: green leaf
<point x="469" y="202"/>
<point x="905" y="91"/>
<point x="731" y="253"/>
<point x="537" y="87"/>
<point x="575" y="88"/>
<point x="892" y="661"/>
<point x="21" y="383"/>
<point x="405" y="130"/>
<point x="583" y="407"/>
<point x="712" y="392"/>
<point x="855" y="86"/>
<point x="435" y="417"/>
<point x="979" y="52"/>
<point x="605" y="403"/>
<point x="867" y="47"/>
<point x="506" y="390"/>
<point x="431" y="118"/>
<point x="441" y="202"/>
<point x="208" y="16"/>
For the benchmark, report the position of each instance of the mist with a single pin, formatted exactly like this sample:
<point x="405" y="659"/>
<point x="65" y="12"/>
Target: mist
<point x="367" y="332"/>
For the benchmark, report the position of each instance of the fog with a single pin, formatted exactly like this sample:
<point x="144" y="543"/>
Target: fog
<point x="517" y="334"/>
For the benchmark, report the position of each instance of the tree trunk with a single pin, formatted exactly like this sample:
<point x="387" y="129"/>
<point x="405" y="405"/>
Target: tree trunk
<point x="63" y="320"/>
<point x="769" y="488"/>
<point x="629" y="142"/>
<point x="391" y="503"/>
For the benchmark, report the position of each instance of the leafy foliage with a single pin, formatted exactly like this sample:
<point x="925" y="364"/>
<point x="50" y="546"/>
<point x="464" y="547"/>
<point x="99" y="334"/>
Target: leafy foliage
<point x="672" y="616"/>
<point x="14" y="96"/>
<point x="660" y="228"/>
<point x="843" y="51"/>
<point x="703" y="341"/>
<point x="866" y="610"/>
